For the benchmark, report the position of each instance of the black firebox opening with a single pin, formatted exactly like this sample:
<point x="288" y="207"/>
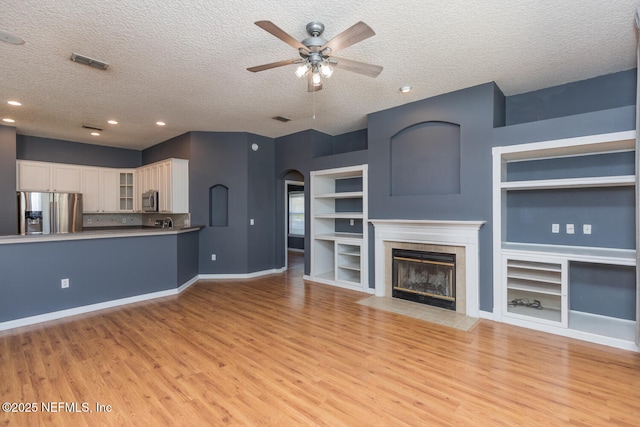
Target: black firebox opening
<point x="424" y="277"/>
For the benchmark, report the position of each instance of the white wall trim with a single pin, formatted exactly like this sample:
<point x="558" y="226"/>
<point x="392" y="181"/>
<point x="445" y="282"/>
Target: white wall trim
<point x="241" y="275"/>
<point x="55" y="315"/>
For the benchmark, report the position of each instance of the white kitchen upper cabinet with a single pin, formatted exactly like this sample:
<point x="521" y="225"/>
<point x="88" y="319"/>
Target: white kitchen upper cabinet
<point x="170" y="178"/>
<point x="66" y="178"/>
<point x="173" y="176"/>
<point x="91" y="190"/>
<point x="33" y="176"/>
<point x="100" y="190"/>
<point x="110" y="190"/>
<point x="45" y="176"/>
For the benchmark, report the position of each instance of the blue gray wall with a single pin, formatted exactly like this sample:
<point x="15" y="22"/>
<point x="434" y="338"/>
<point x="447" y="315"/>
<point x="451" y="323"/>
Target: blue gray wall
<point x="8" y="204"/>
<point x="597" y="94"/>
<point x="59" y="151"/>
<point x="177" y="148"/>
<point x="261" y="204"/>
<point x="98" y="270"/>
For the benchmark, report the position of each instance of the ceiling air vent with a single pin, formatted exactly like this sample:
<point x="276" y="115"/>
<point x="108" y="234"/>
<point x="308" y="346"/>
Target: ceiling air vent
<point x="92" y="127"/>
<point x="281" y="119"/>
<point x="100" y="65"/>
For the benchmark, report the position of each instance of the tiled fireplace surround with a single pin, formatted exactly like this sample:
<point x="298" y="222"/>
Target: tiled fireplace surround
<point x="457" y="237"/>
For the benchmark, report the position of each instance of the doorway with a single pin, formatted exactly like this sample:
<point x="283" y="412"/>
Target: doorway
<point x="294" y="220"/>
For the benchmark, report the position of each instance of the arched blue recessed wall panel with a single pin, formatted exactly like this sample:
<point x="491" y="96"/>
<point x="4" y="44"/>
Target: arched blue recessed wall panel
<point x="425" y="159"/>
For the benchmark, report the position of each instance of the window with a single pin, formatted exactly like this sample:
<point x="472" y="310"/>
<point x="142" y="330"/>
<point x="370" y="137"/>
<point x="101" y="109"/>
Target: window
<point x="296" y="213"/>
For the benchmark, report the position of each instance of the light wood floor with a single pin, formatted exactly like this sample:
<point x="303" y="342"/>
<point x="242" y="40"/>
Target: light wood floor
<point x="276" y="351"/>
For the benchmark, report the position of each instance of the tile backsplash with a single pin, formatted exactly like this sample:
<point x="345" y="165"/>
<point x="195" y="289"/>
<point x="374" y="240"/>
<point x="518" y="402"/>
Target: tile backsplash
<point x="132" y="219"/>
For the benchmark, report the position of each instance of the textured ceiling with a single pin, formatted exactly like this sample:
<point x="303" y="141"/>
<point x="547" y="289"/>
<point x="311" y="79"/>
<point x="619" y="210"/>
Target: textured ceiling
<point x="185" y="62"/>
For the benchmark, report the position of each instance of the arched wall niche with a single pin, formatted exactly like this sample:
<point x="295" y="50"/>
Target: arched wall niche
<point x="218" y="206"/>
<point x="425" y="159"/>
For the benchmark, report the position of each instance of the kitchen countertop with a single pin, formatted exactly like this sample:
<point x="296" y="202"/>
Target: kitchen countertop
<point x="99" y="233"/>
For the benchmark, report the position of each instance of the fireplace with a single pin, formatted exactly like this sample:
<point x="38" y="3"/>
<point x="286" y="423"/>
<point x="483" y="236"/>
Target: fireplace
<point x="453" y="237"/>
<point x="424" y="277"/>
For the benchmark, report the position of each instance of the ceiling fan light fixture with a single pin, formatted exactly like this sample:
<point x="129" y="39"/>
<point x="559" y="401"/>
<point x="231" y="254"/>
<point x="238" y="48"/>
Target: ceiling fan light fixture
<point x="315" y="78"/>
<point x="302" y="70"/>
<point x="326" y="70"/>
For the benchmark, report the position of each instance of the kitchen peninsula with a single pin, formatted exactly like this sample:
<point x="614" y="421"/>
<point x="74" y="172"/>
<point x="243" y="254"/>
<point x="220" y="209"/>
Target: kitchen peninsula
<point x="103" y="268"/>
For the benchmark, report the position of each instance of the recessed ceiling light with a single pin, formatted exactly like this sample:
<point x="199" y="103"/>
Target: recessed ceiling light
<point x="95" y="133"/>
<point x="8" y="120"/>
<point x="405" y="89"/>
<point x="112" y="122"/>
<point x="15" y="103"/>
<point x="160" y="123"/>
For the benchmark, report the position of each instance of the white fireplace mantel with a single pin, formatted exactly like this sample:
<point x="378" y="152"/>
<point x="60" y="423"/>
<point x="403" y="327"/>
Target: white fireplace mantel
<point x="437" y="232"/>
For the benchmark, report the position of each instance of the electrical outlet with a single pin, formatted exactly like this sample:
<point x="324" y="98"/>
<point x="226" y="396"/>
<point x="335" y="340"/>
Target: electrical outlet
<point x="586" y="228"/>
<point x="352" y="222"/>
<point x="555" y="228"/>
<point x="213" y="257"/>
<point x="251" y="221"/>
<point x="124" y="220"/>
<point x="89" y="221"/>
<point x="570" y="229"/>
<point x="64" y="283"/>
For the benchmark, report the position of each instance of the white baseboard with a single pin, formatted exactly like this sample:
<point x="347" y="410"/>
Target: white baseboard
<point x="338" y="284"/>
<point x="241" y="275"/>
<point x="485" y="315"/>
<point x="55" y="315"/>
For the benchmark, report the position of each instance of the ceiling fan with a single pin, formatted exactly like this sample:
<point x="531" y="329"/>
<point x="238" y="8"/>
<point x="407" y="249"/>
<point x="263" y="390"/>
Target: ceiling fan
<point x="316" y="53"/>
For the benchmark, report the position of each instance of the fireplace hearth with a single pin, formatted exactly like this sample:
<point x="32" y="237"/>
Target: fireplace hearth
<point x="424" y="277"/>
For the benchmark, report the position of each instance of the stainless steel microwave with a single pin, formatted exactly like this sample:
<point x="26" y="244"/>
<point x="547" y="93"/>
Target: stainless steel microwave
<point x="150" y="201"/>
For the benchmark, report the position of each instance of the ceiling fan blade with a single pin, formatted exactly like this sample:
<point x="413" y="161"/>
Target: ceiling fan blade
<point x="357" y="67"/>
<point x="348" y="37"/>
<point x="311" y="87"/>
<point x="273" y="29"/>
<point x="273" y="65"/>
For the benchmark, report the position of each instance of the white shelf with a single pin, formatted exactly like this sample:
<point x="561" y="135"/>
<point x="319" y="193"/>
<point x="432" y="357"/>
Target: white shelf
<point x="589" y="182"/>
<point x="534" y="265"/>
<point x="339" y="215"/>
<point x="534" y="288"/>
<point x="351" y="266"/>
<point x="343" y="195"/>
<point x="548" y="314"/>
<point x="350" y="253"/>
<point x="356" y="237"/>
<point x="602" y="325"/>
<point x="589" y="254"/>
<point x="534" y="276"/>
<point x="585" y="145"/>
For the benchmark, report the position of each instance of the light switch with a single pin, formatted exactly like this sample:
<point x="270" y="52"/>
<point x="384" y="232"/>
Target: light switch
<point x="555" y="228"/>
<point x="251" y="221"/>
<point x="570" y="229"/>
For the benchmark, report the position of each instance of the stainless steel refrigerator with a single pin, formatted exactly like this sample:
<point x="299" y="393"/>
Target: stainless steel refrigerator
<point x="49" y="213"/>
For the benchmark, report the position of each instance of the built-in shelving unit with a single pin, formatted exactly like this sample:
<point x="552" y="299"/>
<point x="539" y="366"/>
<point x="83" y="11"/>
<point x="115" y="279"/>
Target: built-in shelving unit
<point x="339" y="227"/>
<point x="533" y="284"/>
